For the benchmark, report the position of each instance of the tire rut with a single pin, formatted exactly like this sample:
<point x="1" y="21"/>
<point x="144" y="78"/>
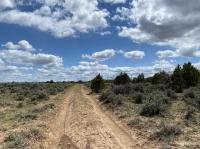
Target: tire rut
<point x="81" y="124"/>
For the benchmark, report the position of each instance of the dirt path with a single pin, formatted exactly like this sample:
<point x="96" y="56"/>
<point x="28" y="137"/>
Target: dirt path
<point x="81" y="124"/>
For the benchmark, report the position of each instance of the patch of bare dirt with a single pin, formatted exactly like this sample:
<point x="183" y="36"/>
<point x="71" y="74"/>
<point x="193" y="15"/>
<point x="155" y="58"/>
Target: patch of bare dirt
<point x="82" y="124"/>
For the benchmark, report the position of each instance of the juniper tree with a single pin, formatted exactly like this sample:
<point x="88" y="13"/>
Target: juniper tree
<point x="177" y="79"/>
<point x="97" y="84"/>
<point x="123" y="78"/>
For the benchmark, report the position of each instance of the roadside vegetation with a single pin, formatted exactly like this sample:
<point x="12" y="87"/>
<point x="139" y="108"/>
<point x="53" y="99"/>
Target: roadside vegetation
<point x="21" y="107"/>
<point x="165" y="107"/>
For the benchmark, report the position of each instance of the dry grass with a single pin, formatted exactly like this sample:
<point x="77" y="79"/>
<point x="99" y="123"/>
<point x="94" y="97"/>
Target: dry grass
<point x="156" y="111"/>
<point x="21" y="106"/>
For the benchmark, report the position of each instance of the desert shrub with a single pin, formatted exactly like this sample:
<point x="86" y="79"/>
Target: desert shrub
<point x="44" y="108"/>
<point x="25" y="116"/>
<point x="189" y="94"/>
<point x="166" y="132"/>
<point x="20" y="98"/>
<point x="138" y="98"/>
<point x="161" y="78"/>
<point x="190" y="75"/>
<point x="177" y="79"/>
<point x="52" y="91"/>
<point x="20" y="105"/>
<point x="111" y="98"/>
<point x="16" y="140"/>
<point x="194" y="102"/>
<point x="138" y="87"/>
<point x="39" y="96"/>
<point x="189" y="115"/>
<point x="123" y="78"/>
<point x="121" y="89"/>
<point x="153" y="107"/>
<point x="97" y="84"/>
<point x="171" y="94"/>
<point x="140" y="78"/>
<point x="136" y="122"/>
<point x="150" y="109"/>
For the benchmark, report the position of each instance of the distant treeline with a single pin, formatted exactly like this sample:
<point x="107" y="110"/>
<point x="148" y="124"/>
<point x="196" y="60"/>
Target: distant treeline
<point x="182" y="77"/>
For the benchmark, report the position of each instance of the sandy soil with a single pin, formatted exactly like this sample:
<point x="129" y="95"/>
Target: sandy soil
<point x="82" y="124"/>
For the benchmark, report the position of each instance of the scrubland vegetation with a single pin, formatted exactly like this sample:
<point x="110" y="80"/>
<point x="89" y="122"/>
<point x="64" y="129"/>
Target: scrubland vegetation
<point x="165" y="107"/>
<point x="21" y="108"/>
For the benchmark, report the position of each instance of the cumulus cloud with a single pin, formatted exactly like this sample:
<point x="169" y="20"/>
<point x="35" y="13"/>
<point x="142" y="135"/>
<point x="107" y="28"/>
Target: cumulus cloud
<point x="178" y="53"/>
<point x="60" y="18"/>
<point x="105" y="33"/>
<point x="134" y="54"/>
<point x="7" y="4"/>
<point x="17" y="60"/>
<point x="109" y="53"/>
<point x="114" y="1"/>
<point x="101" y="56"/>
<point x="122" y="14"/>
<point x="21" y="45"/>
<point x="174" y="23"/>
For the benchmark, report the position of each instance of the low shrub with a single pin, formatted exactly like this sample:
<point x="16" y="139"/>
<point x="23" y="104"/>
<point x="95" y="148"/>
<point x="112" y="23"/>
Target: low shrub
<point x="25" y="116"/>
<point x="153" y="107"/>
<point x="189" y="115"/>
<point x="39" y="96"/>
<point x="16" y="140"/>
<point x="111" y="98"/>
<point x="44" y="108"/>
<point x="166" y="132"/>
<point x="171" y="94"/>
<point x="189" y="94"/>
<point x="138" y="98"/>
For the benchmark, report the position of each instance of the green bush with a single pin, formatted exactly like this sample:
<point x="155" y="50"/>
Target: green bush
<point x="138" y="98"/>
<point x="171" y="94"/>
<point x="123" y="78"/>
<point x="161" y="78"/>
<point x="189" y="94"/>
<point x="166" y="132"/>
<point x="189" y="115"/>
<point x="177" y="79"/>
<point x="111" y="98"/>
<point x="190" y="75"/>
<point x="97" y="84"/>
<point x="154" y="107"/>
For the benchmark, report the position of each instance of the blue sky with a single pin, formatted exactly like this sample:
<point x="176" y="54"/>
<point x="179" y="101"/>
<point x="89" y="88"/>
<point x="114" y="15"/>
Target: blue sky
<point x="73" y="40"/>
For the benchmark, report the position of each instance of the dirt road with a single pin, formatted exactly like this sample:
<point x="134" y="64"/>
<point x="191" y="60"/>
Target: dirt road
<point x="81" y="124"/>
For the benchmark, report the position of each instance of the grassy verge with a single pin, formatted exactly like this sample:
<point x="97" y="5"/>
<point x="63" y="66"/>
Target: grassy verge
<point x="21" y="107"/>
<point x="157" y="111"/>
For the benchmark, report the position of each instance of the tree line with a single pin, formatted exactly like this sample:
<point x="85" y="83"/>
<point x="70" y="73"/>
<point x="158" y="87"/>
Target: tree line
<point x="181" y="78"/>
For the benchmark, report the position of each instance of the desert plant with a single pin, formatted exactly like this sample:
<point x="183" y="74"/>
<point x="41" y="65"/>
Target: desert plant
<point x="97" y="84"/>
<point x="190" y="75"/>
<point x="140" y="78"/>
<point x="189" y="115"/>
<point x="138" y="98"/>
<point x="177" y="79"/>
<point x="166" y="132"/>
<point x="123" y="78"/>
<point x="189" y="94"/>
<point x="161" y="78"/>
<point x="153" y="107"/>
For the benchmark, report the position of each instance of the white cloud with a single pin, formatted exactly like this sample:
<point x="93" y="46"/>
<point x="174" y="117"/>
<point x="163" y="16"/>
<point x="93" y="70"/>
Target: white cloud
<point x="178" y="53"/>
<point x="174" y="23"/>
<point x="134" y="54"/>
<point x="105" y="33"/>
<point x="70" y="18"/>
<point x="122" y="14"/>
<point x="7" y="4"/>
<point x="21" y="45"/>
<point x="101" y="56"/>
<point x="114" y="1"/>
